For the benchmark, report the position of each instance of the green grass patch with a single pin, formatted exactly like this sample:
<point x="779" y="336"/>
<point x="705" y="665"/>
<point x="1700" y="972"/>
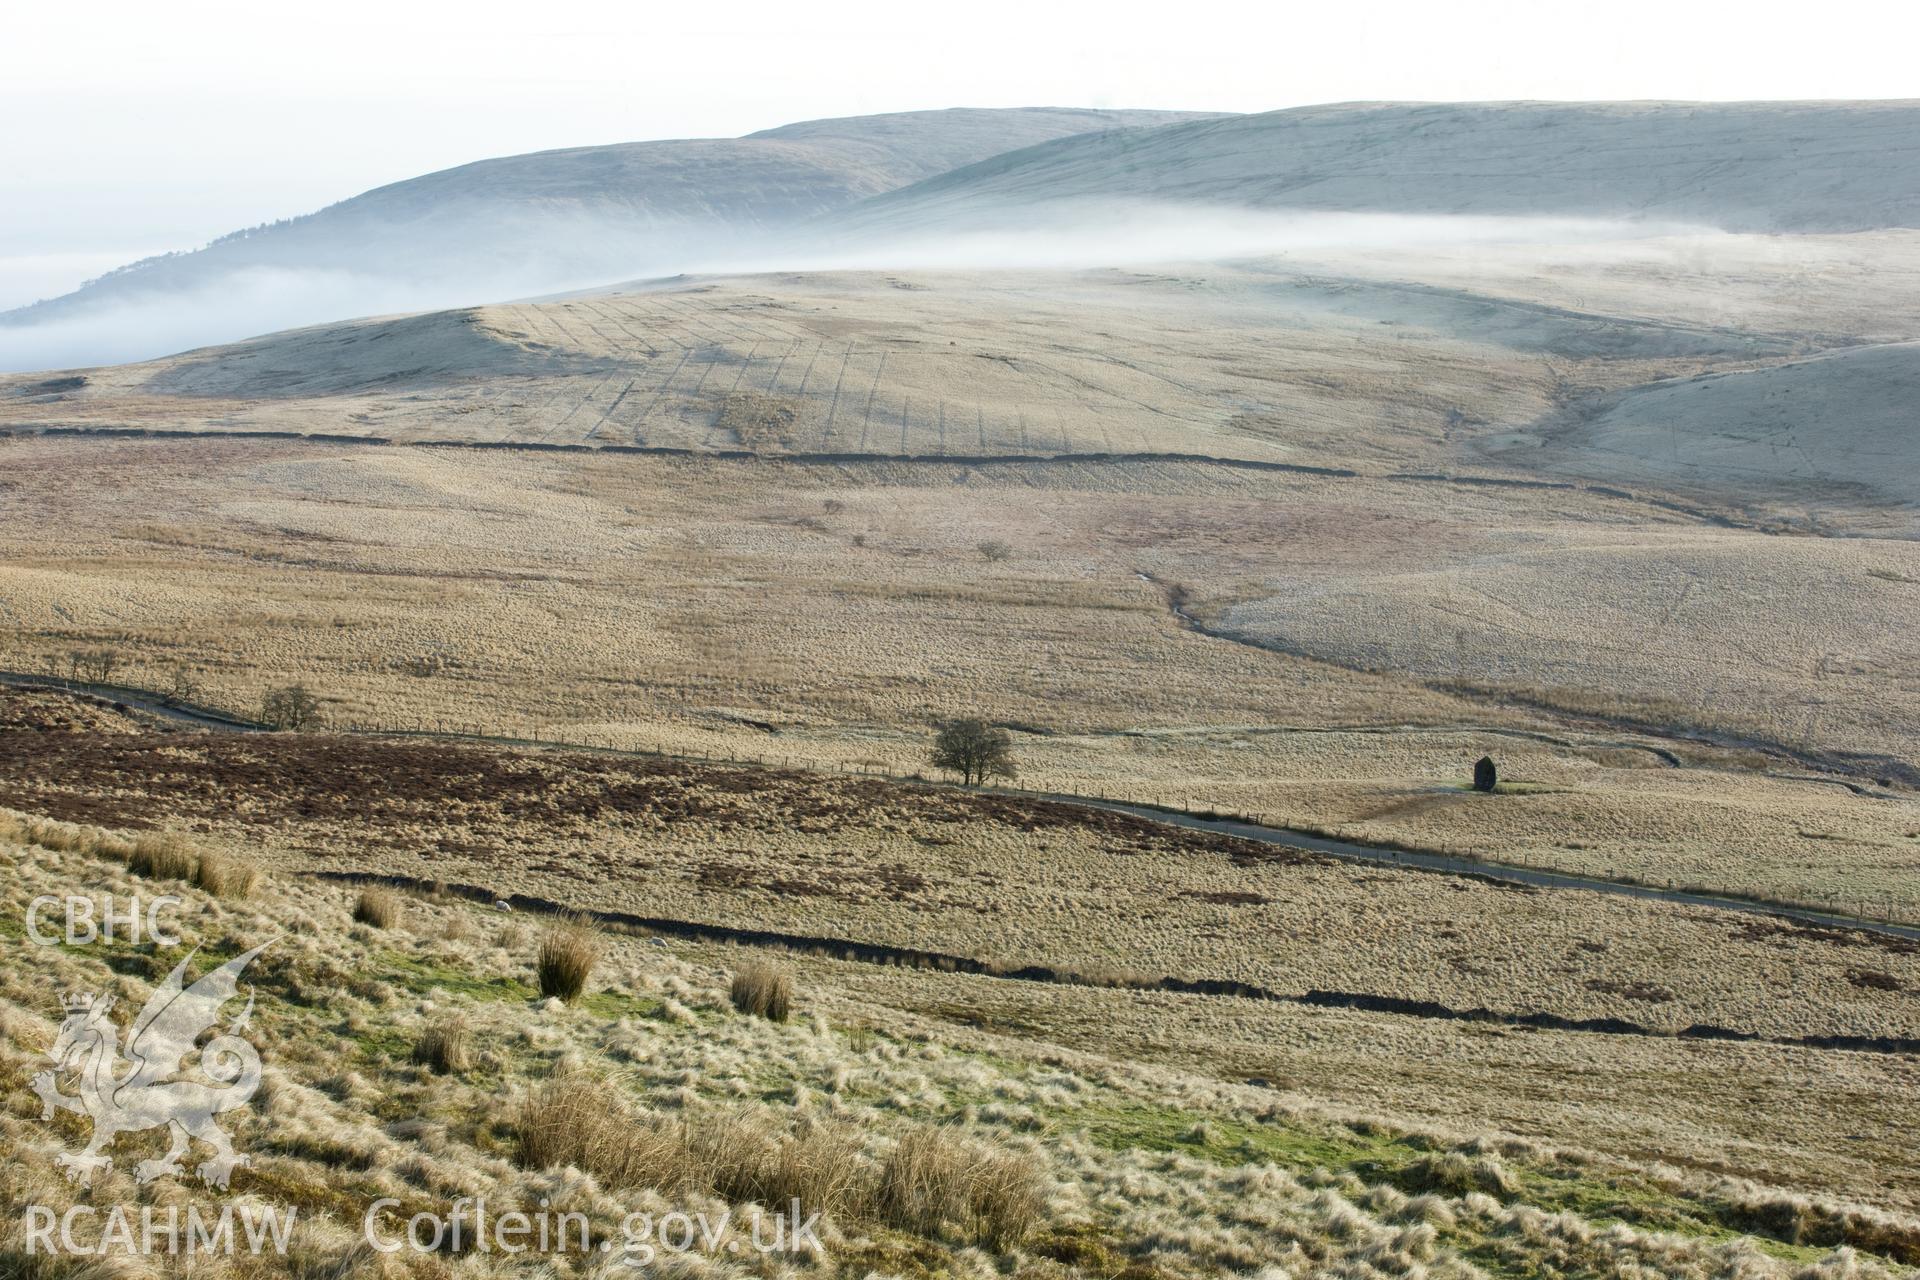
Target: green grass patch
<point x="1145" y="1127"/>
<point x="384" y="1046"/>
<point x="619" y="1004"/>
<point x="1597" y="1196"/>
<point x="422" y="977"/>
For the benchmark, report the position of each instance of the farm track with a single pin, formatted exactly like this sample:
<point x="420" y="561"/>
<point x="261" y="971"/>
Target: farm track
<point x="207" y="719"/>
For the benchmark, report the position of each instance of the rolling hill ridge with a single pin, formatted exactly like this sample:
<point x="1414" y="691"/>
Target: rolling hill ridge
<point x="1757" y="166"/>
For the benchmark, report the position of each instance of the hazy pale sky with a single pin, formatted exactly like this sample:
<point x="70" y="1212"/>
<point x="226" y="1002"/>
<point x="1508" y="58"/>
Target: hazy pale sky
<point x="130" y="128"/>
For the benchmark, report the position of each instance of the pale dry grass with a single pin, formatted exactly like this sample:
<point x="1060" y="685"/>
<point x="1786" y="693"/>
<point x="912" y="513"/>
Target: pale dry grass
<point x="379" y="907"/>
<point x="446" y="1046"/>
<point x="163" y="855"/>
<point x="1115" y="1196"/>
<point x="1749" y="1110"/>
<point x="62" y="837"/>
<point x="762" y="990"/>
<point x="225" y="876"/>
<point x="739" y="614"/>
<point x="568" y="952"/>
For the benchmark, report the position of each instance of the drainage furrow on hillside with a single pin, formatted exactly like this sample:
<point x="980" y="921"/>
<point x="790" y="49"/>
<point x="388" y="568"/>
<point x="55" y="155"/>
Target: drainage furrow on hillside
<point x="947" y="962"/>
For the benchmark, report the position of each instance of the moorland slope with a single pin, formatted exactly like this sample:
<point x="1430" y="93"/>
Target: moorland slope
<point x="1754" y="166"/>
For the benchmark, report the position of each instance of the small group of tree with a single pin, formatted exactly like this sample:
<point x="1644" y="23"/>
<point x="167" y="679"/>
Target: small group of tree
<point x="290" y="708"/>
<point x="95" y="666"/>
<point x="182" y="685"/>
<point x="973" y="749"/>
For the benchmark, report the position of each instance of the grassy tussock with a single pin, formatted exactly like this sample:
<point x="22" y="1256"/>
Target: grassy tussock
<point x="446" y="1047"/>
<point x="568" y="952"/>
<point x="747" y="1156"/>
<point x="585" y="1123"/>
<point x="226" y="877"/>
<point x="1453" y="1174"/>
<point x="936" y="1183"/>
<point x="61" y="837"/>
<point x="156" y="855"/>
<point x="378" y="907"/>
<point x="933" y="1182"/>
<point x="1799" y="1219"/>
<point x="162" y="855"/>
<point x="762" y="990"/>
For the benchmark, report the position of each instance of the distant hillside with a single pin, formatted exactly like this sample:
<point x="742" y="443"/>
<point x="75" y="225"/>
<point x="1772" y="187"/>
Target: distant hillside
<point x="569" y="216"/>
<point x="1843" y="422"/>
<point x="1760" y="166"/>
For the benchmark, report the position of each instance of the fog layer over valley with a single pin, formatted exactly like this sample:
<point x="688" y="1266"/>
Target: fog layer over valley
<point x="520" y="225"/>
<point x="1036" y="188"/>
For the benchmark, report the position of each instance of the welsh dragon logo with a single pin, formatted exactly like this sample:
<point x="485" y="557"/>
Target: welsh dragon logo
<point x="135" y="1092"/>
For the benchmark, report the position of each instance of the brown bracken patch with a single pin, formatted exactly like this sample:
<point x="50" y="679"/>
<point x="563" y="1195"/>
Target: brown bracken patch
<point x="467" y="798"/>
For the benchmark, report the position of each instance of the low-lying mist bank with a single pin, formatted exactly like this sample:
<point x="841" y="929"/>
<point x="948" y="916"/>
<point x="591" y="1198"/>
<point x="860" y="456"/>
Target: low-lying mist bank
<point x="180" y="309"/>
<point x="177" y="303"/>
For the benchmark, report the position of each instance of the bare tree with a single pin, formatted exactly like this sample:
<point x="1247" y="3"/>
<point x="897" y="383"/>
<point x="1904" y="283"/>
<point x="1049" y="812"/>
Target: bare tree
<point x="93" y="665"/>
<point x="973" y="749"/>
<point x="181" y="685"/>
<point x="292" y="707"/>
<point x="993" y="551"/>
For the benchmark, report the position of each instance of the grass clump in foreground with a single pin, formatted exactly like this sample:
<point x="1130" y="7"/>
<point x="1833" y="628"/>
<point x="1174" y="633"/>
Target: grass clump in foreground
<point x="568" y="952"/>
<point x="762" y="990"/>
<point x="580" y="1121"/>
<point x="226" y="877"/>
<point x="377" y="907"/>
<point x="446" y="1047"/>
<point x="162" y="855"/>
<point x="934" y="1182"/>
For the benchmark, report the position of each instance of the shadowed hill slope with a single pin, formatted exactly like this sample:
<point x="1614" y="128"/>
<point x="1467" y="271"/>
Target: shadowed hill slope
<point x="1760" y="166"/>
<point x="1841" y="423"/>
